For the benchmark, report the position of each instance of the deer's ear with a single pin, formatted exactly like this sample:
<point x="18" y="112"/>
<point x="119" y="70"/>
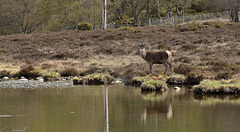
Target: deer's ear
<point x="144" y="44"/>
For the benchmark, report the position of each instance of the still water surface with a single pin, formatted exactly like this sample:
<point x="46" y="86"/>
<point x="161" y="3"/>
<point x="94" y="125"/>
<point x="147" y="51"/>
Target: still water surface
<point x="61" y="107"/>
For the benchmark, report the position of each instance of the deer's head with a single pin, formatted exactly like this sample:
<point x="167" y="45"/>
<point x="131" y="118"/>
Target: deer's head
<point x="142" y="46"/>
<point x="142" y="49"/>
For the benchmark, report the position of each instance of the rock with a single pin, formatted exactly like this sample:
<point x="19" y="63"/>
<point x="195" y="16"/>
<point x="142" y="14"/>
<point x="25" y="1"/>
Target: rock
<point x="23" y="79"/>
<point x="118" y="81"/>
<point x="177" y="88"/>
<point x="40" y="79"/>
<point x="5" y="78"/>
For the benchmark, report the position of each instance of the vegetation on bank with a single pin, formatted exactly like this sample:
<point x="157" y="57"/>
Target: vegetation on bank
<point x="218" y="87"/>
<point x="93" y="79"/>
<point x="154" y="85"/>
<point x="174" y="79"/>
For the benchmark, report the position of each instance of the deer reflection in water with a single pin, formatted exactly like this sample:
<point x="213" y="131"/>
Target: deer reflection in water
<point x="159" y="104"/>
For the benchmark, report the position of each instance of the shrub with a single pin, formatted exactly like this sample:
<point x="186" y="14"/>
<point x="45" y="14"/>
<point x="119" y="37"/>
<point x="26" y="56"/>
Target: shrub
<point x="176" y="79"/>
<point x="85" y="26"/>
<point x="219" y="25"/>
<point x="186" y="47"/>
<point x="69" y="71"/>
<point x="197" y="26"/>
<point x="194" y="77"/>
<point x="4" y="73"/>
<point x="137" y="31"/>
<point x="127" y="28"/>
<point x="224" y="75"/>
<point x="28" y="72"/>
<point x="183" y="69"/>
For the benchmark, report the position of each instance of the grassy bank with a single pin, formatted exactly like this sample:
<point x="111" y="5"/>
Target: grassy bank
<point x="218" y="87"/>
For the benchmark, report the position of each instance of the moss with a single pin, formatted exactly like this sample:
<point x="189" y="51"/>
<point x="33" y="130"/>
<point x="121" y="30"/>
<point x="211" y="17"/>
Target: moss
<point x="77" y="80"/>
<point x="218" y="87"/>
<point x="52" y="75"/>
<point x="137" y="81"/>
<point x="94" y="79"/>
<point x="154" y="85"/>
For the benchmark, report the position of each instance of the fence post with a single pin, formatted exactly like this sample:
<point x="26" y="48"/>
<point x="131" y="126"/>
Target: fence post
<point x="173" y="20"/>
<point x="149" y="22"/>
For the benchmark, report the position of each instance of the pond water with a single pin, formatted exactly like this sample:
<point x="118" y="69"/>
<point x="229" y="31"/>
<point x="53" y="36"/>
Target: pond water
<point x="61" y="107"/>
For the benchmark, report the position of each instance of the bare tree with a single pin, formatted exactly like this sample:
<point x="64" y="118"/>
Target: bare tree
<point x="137" y="7"/>
<point x="20" y="16"/>
<point x="233" y="6"/>
<point x="158" y="8"/>
<point x="147" y="11"/>
<point x="234" y="10"/>
<point x="118" y="8"/>
<point x="180" y="7"/>
<point x="169" y="5"/>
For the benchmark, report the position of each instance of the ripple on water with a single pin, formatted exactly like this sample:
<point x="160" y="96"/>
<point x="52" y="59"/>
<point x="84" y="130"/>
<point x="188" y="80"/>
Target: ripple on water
<point x="29" y="85"/>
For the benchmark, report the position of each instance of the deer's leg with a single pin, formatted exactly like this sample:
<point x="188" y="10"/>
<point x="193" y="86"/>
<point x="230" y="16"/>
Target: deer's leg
<point x="150" y="67"/>
<point x="166" y="67"/>
<point x="170" y="65"/>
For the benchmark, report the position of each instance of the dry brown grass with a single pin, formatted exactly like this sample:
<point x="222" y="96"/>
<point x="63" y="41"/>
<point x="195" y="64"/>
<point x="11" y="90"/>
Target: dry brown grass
<point x="116" y="51"/>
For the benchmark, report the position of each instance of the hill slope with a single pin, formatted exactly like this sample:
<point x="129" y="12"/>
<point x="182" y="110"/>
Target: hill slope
<point x="211" y="47"/>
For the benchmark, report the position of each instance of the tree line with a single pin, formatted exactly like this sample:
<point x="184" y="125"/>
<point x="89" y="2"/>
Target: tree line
<point x="27" y="16"/>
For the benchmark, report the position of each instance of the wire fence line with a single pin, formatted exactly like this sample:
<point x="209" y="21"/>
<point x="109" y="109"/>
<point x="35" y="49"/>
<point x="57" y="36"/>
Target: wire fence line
<point x="172" y="21"/>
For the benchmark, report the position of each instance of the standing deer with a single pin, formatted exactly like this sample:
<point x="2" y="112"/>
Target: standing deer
<point x="156" y="57"/>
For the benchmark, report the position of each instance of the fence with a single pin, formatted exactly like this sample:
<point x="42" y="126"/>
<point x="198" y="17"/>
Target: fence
<point x="172" y="21"/>
<point x="184" y="19"/>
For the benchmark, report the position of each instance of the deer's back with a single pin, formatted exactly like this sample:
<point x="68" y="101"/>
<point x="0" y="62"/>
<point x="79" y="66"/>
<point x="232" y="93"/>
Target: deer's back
<point x="157" y="57"/>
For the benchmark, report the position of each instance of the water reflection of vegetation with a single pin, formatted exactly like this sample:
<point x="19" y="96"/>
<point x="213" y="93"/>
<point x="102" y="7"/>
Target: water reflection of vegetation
<point x="217" y="99"/>
<point x="154" y="96"/>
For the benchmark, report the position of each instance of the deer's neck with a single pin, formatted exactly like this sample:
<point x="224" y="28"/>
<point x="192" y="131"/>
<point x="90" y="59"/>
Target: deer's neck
<point x="143" y="53"/>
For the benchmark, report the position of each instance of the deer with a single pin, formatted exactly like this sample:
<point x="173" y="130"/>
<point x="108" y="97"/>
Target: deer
<point x="156" y="57"/>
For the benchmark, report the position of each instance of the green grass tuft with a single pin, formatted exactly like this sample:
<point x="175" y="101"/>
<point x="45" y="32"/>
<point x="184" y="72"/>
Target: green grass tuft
<point x="152" y="85"/>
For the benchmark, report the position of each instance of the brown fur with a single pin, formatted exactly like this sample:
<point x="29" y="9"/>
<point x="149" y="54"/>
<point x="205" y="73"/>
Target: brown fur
<point x="156" y="57"/>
